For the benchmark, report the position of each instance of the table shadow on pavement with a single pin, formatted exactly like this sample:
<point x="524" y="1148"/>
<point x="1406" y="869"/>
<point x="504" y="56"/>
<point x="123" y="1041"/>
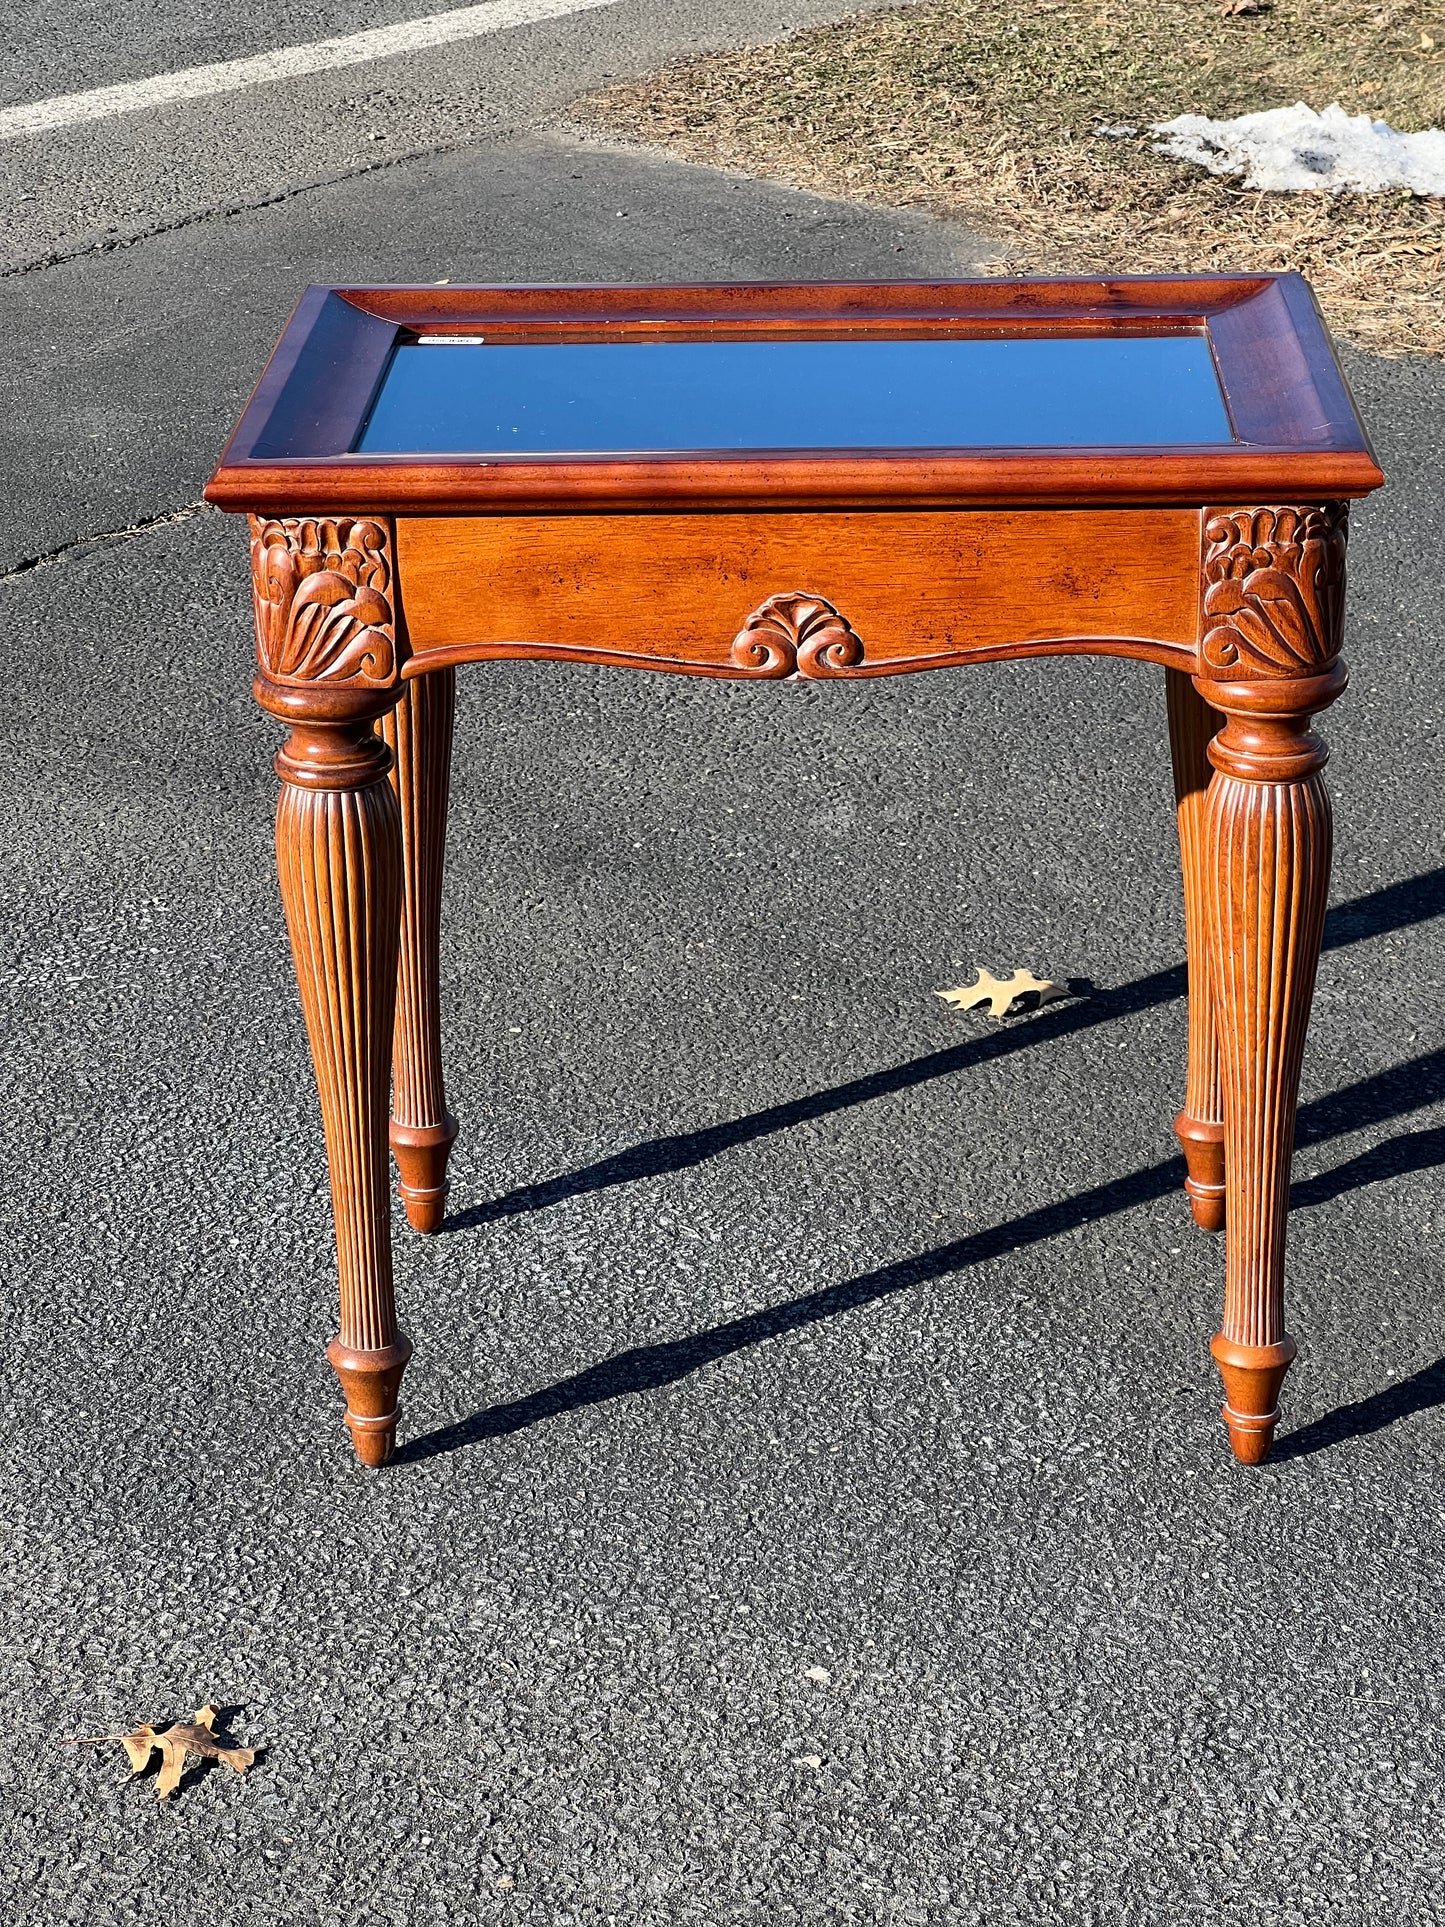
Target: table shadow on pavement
<point x="1373" y="1100"/>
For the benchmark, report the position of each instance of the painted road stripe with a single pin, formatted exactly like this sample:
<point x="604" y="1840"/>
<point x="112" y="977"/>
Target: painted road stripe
<point x="228" y="76"/>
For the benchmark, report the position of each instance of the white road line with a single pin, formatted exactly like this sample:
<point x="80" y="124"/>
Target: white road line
<point x="227" y="76"/>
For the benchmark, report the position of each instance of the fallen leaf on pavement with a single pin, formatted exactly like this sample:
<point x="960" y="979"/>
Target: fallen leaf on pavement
<point x="1001" y="993"/>
<point x="174" y="1742"/>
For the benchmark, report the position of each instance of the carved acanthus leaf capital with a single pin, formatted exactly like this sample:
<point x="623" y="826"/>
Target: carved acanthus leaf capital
<point x="1274" y="591"/>
<point x="796" y="633"/>
<point x="324" y="600"/>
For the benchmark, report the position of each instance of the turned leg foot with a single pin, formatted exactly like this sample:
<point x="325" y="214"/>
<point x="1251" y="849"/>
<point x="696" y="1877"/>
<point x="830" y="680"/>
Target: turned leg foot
<point x="371" y="1384"/>
<point x="1199" y="1127"/>
<point x="1252" y="1376"/>
<point x="1202" y="1142"/>
<point x="422" y="1131"/>
<point x="421" y="1153"/>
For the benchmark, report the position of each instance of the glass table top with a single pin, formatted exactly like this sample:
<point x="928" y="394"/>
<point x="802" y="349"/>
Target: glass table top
<point x="638" y="395"/>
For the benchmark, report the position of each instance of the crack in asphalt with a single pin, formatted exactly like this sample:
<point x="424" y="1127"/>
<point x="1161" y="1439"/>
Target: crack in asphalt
<point x="227" y="210"/>
<point x="105" y="539"/>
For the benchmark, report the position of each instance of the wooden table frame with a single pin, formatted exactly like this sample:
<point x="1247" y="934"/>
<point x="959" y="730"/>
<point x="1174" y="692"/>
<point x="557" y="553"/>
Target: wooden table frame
<point x="375" y="576"/>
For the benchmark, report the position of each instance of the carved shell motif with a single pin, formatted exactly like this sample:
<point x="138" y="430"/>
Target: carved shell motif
<point x="1274" y="583"/>
<point x="796" y="634"/>
<point x="323" y="608"/>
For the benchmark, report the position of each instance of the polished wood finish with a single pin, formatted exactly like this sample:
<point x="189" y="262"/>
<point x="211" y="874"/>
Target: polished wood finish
<point x="1200" y="1125"/>
<point x="1273" y="609"/>
<point x="1298" y="436"/>
<point x="339" y="857"/>
<point x="419" y="733"/>
<point x="327" y="646"/>
<point x="374" y="577"/>
<point x="915" y="591"/>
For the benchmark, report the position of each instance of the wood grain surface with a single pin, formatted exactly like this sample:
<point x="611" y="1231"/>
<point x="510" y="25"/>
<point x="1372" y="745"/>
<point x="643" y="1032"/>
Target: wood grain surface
<point x="1297" y="434"/>
<point x="835" y="563"/>
<point x="917" y="590"/>
<point x="422" y="1130"/>
<point x="1200" y="1124"/>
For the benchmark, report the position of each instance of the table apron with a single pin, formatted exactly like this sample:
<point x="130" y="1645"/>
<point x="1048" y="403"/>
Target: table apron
<point x="851" y="593"/>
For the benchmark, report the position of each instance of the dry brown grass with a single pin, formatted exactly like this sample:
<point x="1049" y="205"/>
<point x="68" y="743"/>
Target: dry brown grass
<point x="985" y="111"/>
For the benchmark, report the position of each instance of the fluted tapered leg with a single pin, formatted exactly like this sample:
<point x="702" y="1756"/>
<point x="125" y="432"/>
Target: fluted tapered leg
<point x="419" y="731"/>
<point x="338" y="855"/>
<point x="1272" y="607"/>
<point x="1200" y="1125"/>
<point x="329" y="656"/>
<point x="1269" y="851"/>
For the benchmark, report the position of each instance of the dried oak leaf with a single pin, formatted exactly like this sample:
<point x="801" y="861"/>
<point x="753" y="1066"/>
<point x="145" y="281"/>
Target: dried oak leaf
<point x="174" y="1742"/>
<point x="1001" y="993"/>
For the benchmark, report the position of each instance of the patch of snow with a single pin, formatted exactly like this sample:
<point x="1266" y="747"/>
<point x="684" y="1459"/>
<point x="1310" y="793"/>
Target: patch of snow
<point x="1294" y="150"/>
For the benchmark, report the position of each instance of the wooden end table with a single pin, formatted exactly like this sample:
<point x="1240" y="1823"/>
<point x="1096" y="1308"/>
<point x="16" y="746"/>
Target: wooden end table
<point x="765" y="482"/>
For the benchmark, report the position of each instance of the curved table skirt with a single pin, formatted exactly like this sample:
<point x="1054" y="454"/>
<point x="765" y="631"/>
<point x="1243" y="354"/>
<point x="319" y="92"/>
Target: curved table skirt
<point x="855" y="594"/>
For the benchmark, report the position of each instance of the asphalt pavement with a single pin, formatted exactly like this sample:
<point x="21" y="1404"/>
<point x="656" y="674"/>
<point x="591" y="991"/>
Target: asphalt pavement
<point x="814" y="1505"/>
<point x="105" y="183"/>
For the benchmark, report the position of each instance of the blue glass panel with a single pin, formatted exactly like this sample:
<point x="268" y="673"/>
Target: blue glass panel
<point x="556" y="398"/>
